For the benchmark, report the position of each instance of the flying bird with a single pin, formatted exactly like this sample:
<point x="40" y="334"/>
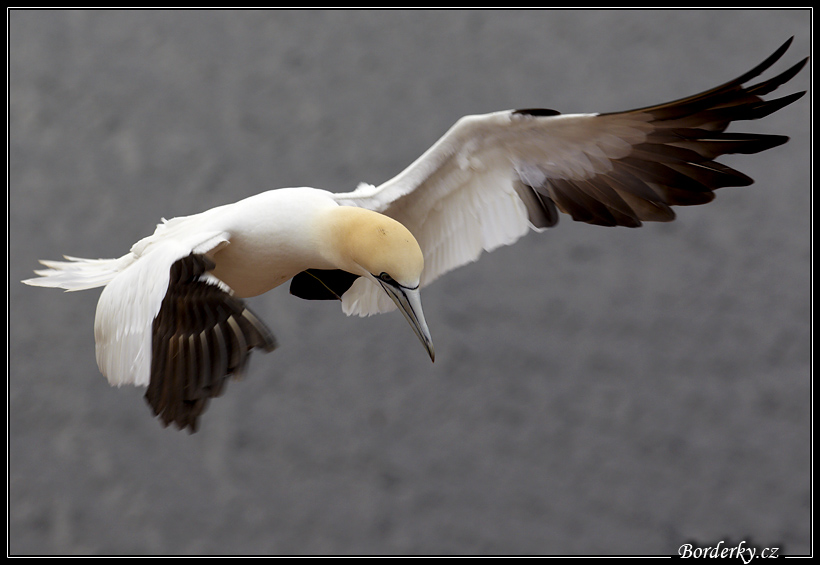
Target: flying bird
<point x="171" y="315"/>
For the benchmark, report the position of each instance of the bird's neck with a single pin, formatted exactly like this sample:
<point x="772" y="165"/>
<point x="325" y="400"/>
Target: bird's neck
<point x="339" y="230"/>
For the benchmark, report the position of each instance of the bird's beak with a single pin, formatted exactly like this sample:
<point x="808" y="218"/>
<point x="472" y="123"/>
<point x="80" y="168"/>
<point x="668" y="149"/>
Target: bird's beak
<point x="409" y="302"/>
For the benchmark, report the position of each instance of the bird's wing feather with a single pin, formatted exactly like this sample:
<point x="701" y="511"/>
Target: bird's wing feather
<point x="201" y="336"/>
<point x="493" y="177"/>
<point x="167" y="323"/>
<point x="132" y="299"/>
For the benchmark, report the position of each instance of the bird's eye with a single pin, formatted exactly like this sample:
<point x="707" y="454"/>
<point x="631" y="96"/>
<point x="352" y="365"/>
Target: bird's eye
<point x="387" y="278"/>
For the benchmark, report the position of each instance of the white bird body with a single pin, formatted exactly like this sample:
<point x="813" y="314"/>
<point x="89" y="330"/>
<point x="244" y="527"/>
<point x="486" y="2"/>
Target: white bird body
<point x="171" y="315"/>
<point x="273" y="236"/>
<point x="255" y="244"/>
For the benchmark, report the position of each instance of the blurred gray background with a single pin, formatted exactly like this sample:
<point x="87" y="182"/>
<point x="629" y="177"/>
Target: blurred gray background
<point x="596" y="390"/>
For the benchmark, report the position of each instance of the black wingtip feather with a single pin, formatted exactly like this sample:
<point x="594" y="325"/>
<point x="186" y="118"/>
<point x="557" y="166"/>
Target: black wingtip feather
<point x="772" y="84"/>
<point x="202" y="336"/>
<point x="321" y="284"/>
<point x="675" y="163"/>
<point x="536" y="112"/>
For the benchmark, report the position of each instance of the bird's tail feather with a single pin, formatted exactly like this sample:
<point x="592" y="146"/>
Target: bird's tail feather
<point x="79" y="274"/>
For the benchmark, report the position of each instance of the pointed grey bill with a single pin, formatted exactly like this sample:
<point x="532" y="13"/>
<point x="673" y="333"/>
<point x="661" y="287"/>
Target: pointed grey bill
<point x="409" y="302"/>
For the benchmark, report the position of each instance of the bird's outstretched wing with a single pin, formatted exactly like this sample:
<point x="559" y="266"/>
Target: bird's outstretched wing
<point x="493" y="177"/>
<point x="166" y="323"/>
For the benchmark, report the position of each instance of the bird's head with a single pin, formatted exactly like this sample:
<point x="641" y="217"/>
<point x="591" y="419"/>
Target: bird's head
<point x="381" y="249"/>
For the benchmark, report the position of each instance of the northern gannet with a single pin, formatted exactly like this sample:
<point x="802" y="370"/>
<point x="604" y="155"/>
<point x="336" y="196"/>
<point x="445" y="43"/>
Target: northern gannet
<point x="171" y="315"/>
